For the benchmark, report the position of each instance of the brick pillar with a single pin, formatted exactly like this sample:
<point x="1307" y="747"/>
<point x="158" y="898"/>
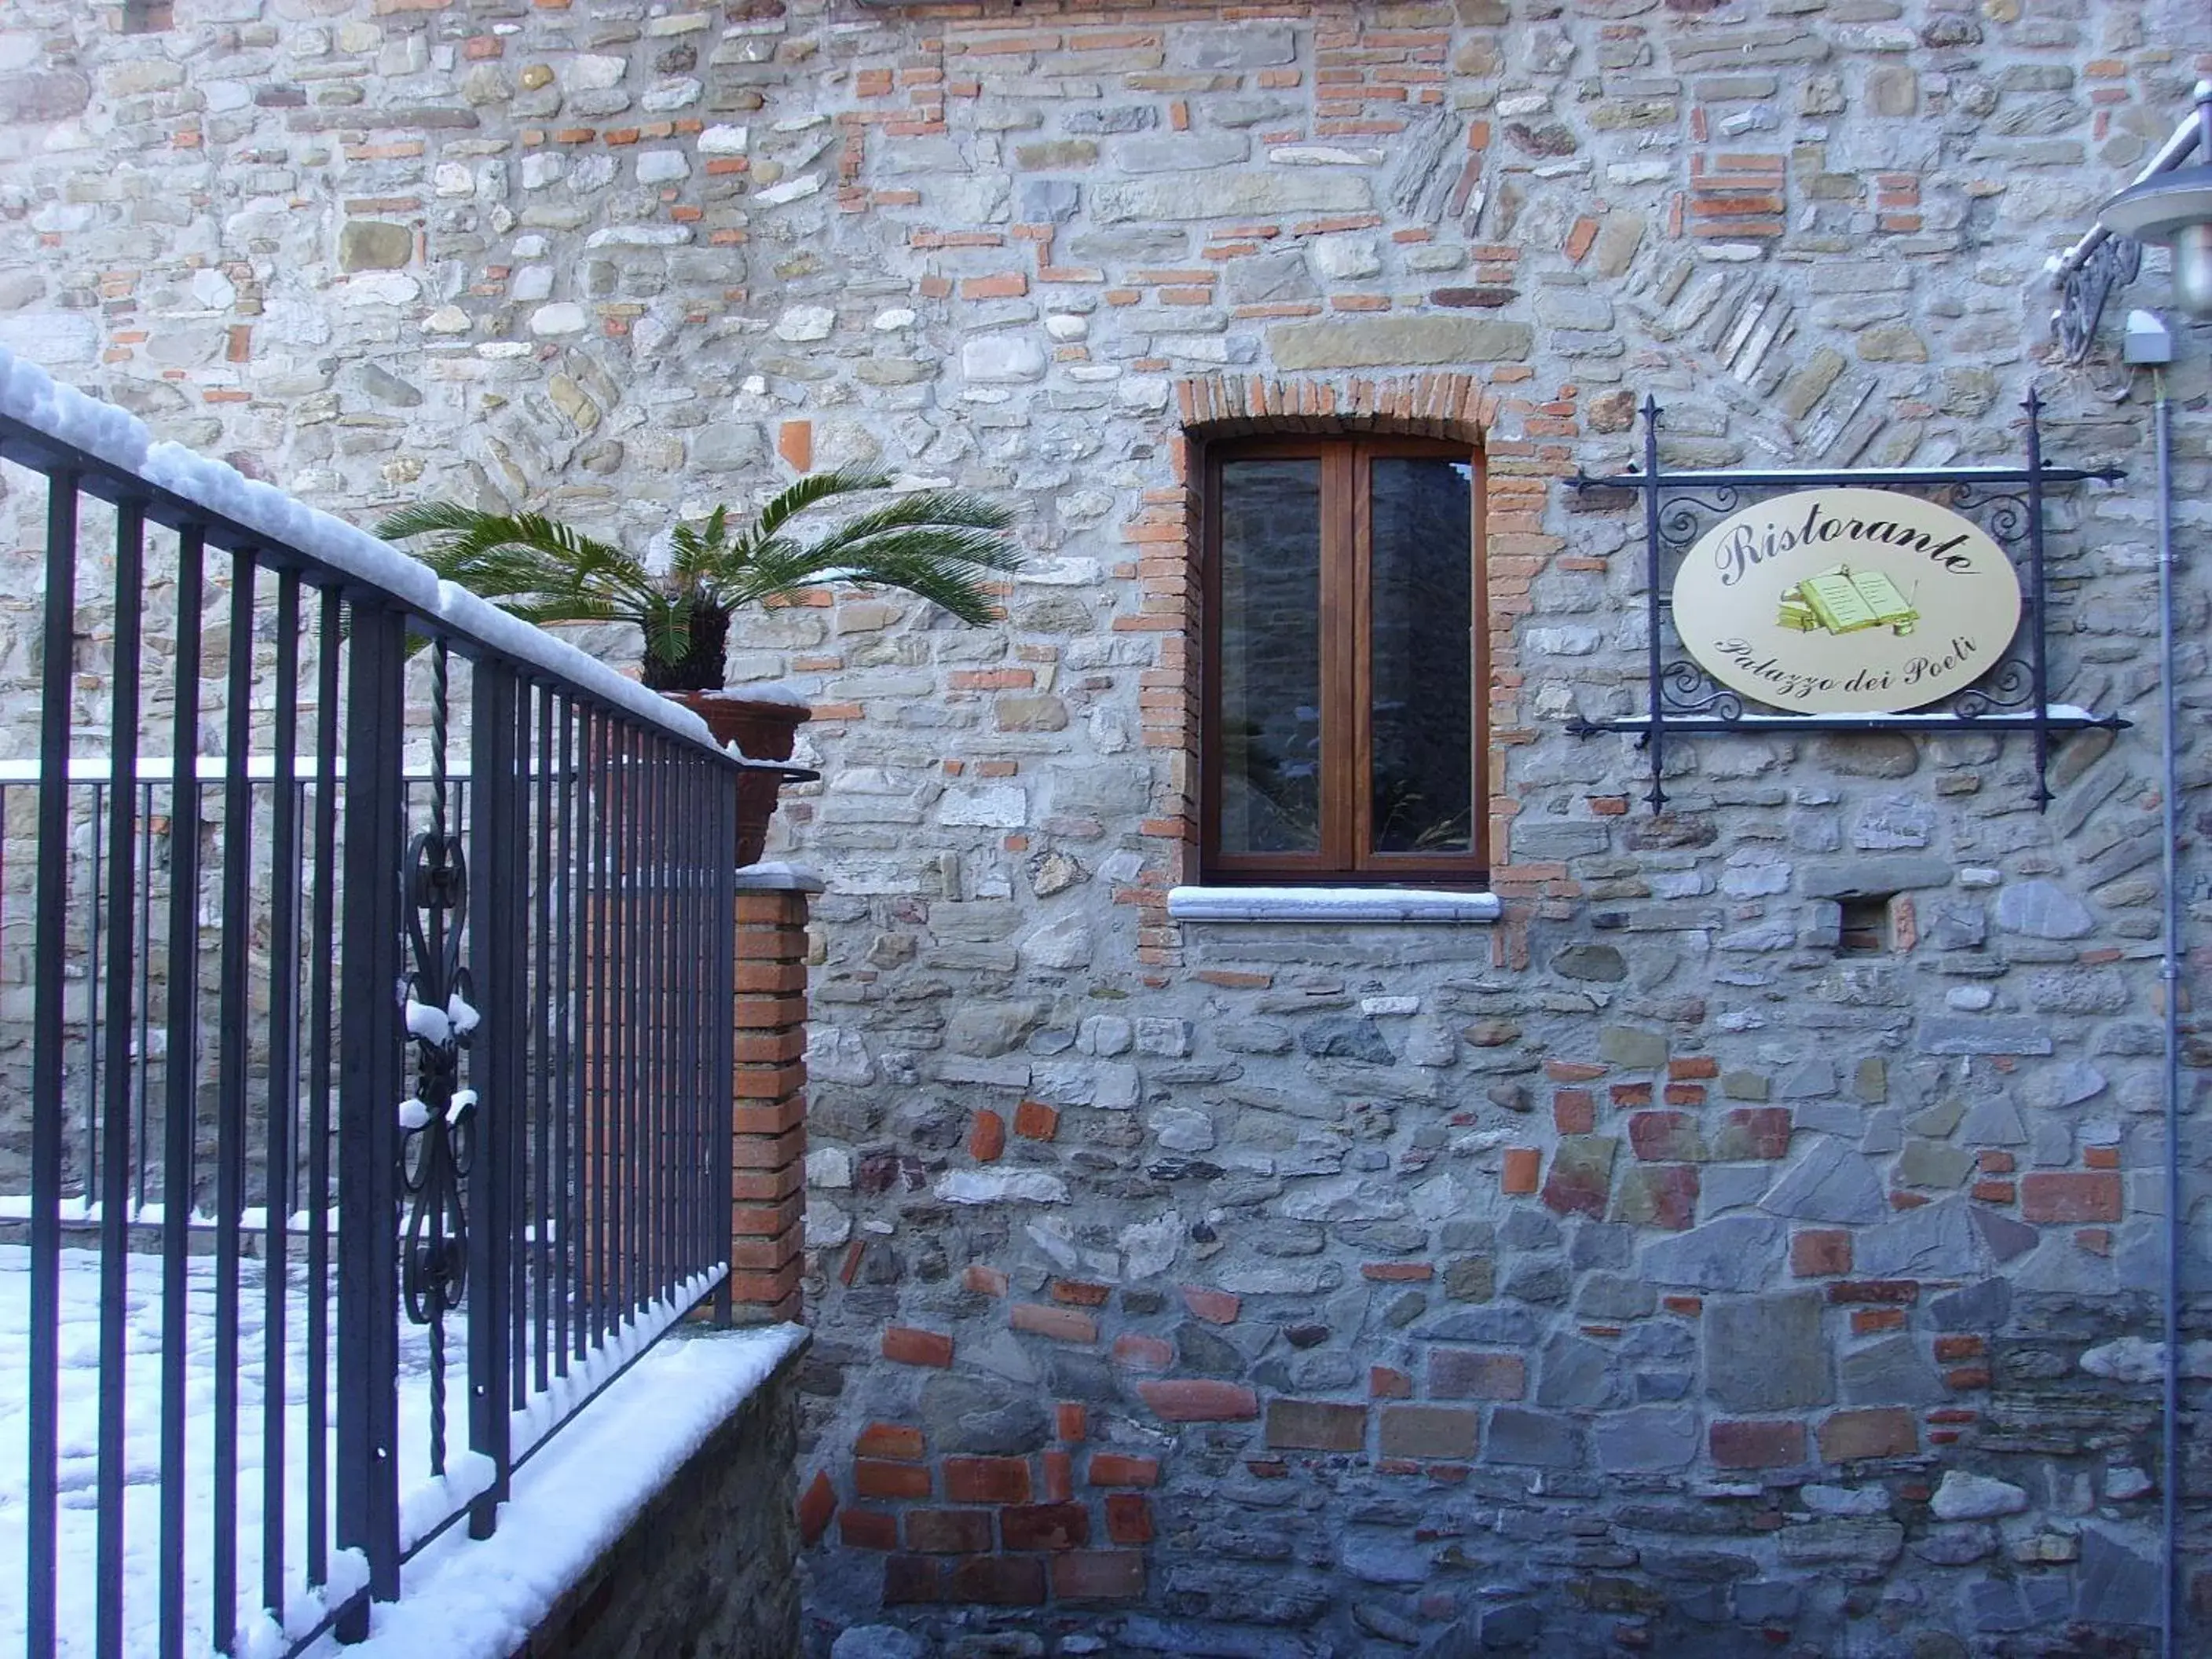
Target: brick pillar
<point x="767" y="1118"/>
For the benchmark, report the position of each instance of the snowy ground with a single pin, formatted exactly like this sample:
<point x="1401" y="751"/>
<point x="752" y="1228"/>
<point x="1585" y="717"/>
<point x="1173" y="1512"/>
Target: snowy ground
<point x="425" y="1501"/>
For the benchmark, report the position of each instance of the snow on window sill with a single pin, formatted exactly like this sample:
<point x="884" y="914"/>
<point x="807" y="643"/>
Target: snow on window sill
<point x="1331" y="904"/>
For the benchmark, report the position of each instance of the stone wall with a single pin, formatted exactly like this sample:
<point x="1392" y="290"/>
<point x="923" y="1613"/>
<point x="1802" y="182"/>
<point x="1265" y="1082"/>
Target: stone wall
<point x="707" y="1567"/>
<point x="1648" y="1271"/>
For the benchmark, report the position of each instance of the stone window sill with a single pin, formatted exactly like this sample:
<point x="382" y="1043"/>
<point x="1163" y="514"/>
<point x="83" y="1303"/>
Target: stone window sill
<point x="1336" y="905"/>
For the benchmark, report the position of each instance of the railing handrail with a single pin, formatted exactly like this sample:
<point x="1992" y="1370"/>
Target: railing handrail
<point x="550" y="964"/>
<point x="114" y="457"/>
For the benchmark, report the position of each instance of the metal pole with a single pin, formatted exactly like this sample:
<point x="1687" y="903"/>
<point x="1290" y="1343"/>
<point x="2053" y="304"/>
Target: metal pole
<point x="2169" y="974"/>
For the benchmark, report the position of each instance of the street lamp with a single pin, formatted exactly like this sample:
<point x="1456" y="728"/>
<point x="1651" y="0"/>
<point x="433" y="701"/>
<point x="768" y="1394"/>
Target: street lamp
<point x="2174" y="209"/>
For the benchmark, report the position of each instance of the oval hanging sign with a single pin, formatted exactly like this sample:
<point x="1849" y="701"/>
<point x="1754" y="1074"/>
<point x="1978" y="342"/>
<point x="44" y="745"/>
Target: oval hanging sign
<point x="1846" y="602"/>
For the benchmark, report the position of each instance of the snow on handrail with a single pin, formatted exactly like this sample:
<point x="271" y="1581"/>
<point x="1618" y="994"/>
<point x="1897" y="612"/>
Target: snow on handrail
<point x="121" y="445"/>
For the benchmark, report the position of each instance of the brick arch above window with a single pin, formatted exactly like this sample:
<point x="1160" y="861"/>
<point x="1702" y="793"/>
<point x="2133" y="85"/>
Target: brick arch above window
<point x="1456" y="407"/>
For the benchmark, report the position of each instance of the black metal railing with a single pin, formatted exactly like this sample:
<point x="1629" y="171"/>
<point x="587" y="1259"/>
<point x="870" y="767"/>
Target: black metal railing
<point x="364" y="1072"/>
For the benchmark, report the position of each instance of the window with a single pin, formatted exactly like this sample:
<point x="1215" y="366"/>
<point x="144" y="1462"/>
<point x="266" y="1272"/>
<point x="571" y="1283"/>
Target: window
<point x="1343" y="736"/>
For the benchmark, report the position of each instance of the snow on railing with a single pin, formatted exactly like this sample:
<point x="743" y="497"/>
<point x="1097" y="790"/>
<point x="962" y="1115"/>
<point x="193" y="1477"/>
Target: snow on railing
<point x="483" y="986"/>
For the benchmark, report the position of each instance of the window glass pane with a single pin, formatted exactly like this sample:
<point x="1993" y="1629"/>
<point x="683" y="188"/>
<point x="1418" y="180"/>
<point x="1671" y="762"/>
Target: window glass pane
<point x="1423" y="714"/>
<point x="1270" y="669"/>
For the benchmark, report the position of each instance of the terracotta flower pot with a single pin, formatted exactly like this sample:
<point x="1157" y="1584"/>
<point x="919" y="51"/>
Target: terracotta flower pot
<point x="763" y="729"/>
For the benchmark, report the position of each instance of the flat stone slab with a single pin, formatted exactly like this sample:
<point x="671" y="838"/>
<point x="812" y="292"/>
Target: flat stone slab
<point x="1397" y="342"/>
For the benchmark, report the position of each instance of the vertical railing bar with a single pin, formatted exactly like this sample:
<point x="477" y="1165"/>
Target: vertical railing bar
<point x="230" y="1089"/>
<point x="179" y="1069"/>
<point x="143" y="982"/>
<point x="723" y="919"/>
<point x="321" y="924"/>
<point x="115" y="1104"/>
<point x="283" y="1083"/>
<point x="640" y="850"/>
<point x="592" y="1118"/>
<point x="369" y="1124"/>
<point x="687" y="1026"/>
<point x="652" y="966"/>
<point x="559" y="1013"/>
<point x="93" y="1055"/>
<point x="495" y="793"/>
<point x="48" y="1109"/>
<point x="513" y="917"/>
<point x="144" y="1004"/>
<point x="621" y="830"/>
<point x="540" y="1053"/>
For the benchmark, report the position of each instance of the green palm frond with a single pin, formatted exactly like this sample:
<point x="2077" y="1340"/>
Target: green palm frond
<point x="939" y="543"/>
<point x="809" y="491"/>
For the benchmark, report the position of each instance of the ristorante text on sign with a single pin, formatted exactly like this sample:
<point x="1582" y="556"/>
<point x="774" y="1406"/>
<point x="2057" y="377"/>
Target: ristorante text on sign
<point x="1846" y="601"/>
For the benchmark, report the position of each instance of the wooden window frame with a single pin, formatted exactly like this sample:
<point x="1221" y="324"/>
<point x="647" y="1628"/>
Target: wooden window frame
<point x="1346" y="857"/>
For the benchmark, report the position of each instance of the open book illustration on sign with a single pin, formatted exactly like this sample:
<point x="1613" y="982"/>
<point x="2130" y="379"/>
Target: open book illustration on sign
<point x="1844" y="601"/>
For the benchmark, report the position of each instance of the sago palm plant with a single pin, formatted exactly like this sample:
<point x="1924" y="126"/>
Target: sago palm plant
<point x="935" y="543"/>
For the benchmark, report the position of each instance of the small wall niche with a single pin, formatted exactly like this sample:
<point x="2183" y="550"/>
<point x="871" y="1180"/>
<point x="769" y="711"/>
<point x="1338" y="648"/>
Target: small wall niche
<point x="1865" y="928"/>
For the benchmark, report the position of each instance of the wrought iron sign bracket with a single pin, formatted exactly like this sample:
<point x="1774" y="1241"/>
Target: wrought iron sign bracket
<point x="1682" y="699"/>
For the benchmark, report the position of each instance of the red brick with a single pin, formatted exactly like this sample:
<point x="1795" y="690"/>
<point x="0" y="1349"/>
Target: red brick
<point x="986" y="1138"/>
<point x="1875" y="1290"/>
<point x="872" y="1477"/>
<point x="1059" y="1483"/>
<point x="1062" y="1324"/>
<point x="816" y="1505"/>
<point x="1949" y="1350"/>
<point x="1071" y="1419"/>
<point x="1459" y="1373"/>
<point x="1081" y="1293"/>
<point x="893" y="1440"/>
<point x="1757" y="1445"/>
<point x="1215" y="1307"/>
<point x="1522" y="1165"/>
<point x="1128" y="1519"/>
<point x="1819" y="1251"/>
<point x="1387" y="1383"/>
<point x="908" y="1347"/>
<point x="794" y="441"/>
<point x="1573" y="1071"/>
<point x="1195" y="1400"/>
<point x="1043" y="1527"/>
<point x="911" y="1578"/>
<point x="1693" y="1068"/>
<point x="1427" y="1431"/>
<point x="1865" y="1321"/>
<point x="1098" y="1575"/>
<point x="1888" y="1432"/>
<point x="2069" y="1197"/>
<point x="948" y="1532"/>
<point x="1034" y="1120"/>
<point x="1116" y="1469"/>
<point x="998" y="1581"/>
<point x="1143" y="1353"/>
<point x="986" y="1480"/>
<point x="1574" y="1111"/>
<point x="1315" y="1425"/>
<point x="1397" y="1273"/>
<point x="868" y="1529"/>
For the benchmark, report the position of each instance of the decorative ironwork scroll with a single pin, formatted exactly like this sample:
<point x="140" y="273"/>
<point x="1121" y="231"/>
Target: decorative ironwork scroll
<point x="439" y="1122"/>
<point x="1681" y="698"/>
<point x="2084" y="289"/>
